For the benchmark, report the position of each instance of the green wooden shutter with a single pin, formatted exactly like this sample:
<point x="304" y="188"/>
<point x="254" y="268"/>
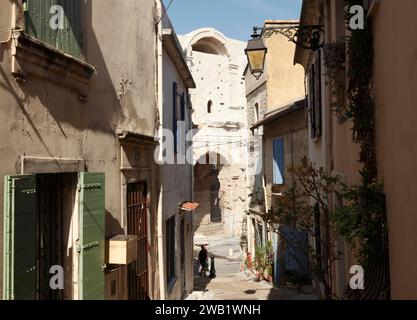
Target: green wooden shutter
<point x="91" y="247"/>
<point x="19" y="242"/>
<point x="38" y="16"/>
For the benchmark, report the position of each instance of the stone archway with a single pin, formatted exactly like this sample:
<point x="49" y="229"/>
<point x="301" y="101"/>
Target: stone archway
<point x="208" y="40"/>
<point x="208" y="192"/>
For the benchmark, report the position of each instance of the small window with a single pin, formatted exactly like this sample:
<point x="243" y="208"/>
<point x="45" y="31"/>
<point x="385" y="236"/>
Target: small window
<point x="209" y="106"/>
<point x="256" y="112"/>
<point x="170" y="249"/>
<point x="278" y="161"/>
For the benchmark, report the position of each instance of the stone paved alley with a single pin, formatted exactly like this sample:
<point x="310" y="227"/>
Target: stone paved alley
<point x="233" y="284"/>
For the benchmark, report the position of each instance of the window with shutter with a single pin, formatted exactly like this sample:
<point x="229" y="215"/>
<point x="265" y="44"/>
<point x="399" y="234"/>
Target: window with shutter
<point x="19" y="238"/>
<point x="278" y="161"/>
<point x="317" y="81"/>
<point x="37" y="24"/>
<point x="91" y="187"/>
<point x="311" y="101"/>
<point x="315" y="98"/>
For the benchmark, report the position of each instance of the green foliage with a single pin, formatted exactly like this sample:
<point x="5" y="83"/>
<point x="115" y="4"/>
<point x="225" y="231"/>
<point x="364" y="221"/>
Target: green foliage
<point x="264" y="256"/>
<point x="309" y="194"/>
<point x="361" y="105"/>
<point x="361" y="221"/>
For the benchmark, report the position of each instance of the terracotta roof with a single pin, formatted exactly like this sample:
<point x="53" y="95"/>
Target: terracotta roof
<point x="189" y="206"/>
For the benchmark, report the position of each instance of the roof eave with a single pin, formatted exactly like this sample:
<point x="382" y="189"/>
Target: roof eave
<point x="279" y="113"/>
<point x="173" y="48"/>
<point x="310" y="15"/>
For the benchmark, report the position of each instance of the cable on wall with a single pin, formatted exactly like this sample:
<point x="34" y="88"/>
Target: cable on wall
<point x="166" y="11"/>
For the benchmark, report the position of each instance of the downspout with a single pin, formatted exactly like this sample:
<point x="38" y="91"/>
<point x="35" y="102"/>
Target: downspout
<point x="159" y="85"/>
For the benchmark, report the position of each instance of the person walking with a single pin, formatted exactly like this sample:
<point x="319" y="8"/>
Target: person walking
<point x="202" y="258"/>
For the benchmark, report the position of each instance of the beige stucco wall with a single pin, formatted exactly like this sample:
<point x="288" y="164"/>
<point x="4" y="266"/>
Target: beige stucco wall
<point x="395" y="72"/>
<point x="176" y="180"/>
<point x="285" y="81"/>
<point x="294" y="131"/>
<point x="40" y="118"/>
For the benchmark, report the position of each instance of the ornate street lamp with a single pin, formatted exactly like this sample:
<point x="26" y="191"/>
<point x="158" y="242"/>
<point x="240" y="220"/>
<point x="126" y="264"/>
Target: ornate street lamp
<point x="256" y="53"/>
<point x="310" y="37"/>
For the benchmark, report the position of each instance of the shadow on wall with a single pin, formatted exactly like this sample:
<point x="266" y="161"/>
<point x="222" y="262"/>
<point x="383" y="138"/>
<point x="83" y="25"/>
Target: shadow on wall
<point x="99" y="113"/>
<point x="207" y="189"/>
<point x="111" y="221"/>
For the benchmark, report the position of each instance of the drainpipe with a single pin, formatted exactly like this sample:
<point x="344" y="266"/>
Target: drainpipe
<point x="159" y="85"/>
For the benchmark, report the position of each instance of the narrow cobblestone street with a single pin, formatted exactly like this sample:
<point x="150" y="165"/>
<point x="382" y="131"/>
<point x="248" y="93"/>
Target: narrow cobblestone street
<point x="233" y="284"/>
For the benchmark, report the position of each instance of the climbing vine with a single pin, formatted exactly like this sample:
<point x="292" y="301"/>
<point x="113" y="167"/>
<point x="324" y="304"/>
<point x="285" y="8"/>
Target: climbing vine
<point x="362" y="221"/>
<point x="335" y="62"/>
<point x="361" y="106"/>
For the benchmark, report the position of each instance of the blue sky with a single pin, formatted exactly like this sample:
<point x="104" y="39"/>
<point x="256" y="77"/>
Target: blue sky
<point x="234" y="18"/>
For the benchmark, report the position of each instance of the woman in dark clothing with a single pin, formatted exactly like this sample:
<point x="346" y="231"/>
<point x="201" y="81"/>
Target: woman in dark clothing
<point x="202" y="258"/>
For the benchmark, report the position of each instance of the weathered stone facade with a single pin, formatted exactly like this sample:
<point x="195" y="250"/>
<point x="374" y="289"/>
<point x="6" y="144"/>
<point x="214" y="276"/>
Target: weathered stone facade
<point x="217" y="65"/>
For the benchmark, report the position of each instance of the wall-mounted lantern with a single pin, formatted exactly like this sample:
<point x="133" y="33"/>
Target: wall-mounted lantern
<point x="310" y="37"/>
<point x="256" y="53"/>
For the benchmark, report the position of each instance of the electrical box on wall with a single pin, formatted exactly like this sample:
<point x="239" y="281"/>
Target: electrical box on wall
<point x="122" y="249"/>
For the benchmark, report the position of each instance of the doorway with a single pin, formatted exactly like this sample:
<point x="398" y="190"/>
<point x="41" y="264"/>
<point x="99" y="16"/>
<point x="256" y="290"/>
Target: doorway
<point x="137" y="224"/>
<point x="55" y="202"/>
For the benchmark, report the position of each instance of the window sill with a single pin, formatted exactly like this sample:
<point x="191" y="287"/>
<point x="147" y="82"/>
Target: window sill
<point x="32" y="57"/>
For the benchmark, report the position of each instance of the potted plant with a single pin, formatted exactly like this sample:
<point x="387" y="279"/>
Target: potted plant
<point x="268" y="273"/>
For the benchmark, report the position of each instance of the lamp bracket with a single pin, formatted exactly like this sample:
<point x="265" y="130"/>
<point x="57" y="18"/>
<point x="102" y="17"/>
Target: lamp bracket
<point x="310" y="37"/>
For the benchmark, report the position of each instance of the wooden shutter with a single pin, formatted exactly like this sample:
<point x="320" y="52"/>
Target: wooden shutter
<point x="19" y="238"/>
<point x="68" y="39"/>
<point x="317" y="94"/>
<point x="312" y="101"/>
<point x="92" y="232"/>
<point x="278" y="161"/>
<point x="174" y="114"/>
<point x="183" y="106"/>
<point x="296" y="254"/>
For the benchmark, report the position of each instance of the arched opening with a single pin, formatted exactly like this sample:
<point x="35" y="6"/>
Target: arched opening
<point x="207" y="189"/>
<point x="209" y="106"/>
<point x="210" y="45"/>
